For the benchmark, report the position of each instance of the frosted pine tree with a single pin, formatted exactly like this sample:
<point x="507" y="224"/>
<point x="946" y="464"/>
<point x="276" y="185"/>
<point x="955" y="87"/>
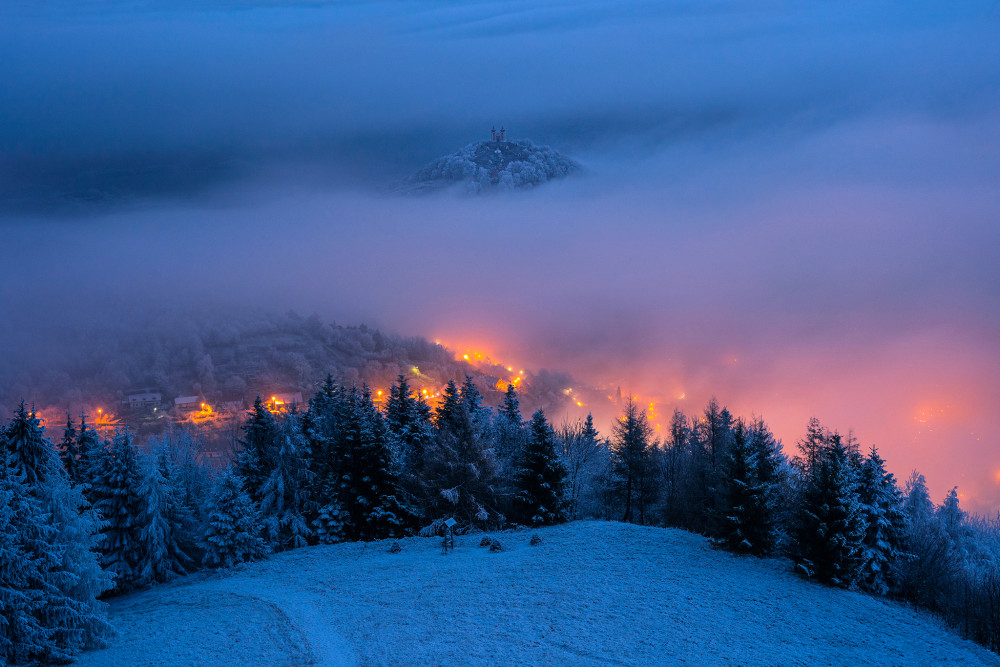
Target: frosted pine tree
<point x="746" y="522"/>
<point x="320" y="426"/>
<point x="930" y="560"/>
<point x="369" y="485"/>
<point x="90" y="450"/>
<point x="118" y="498"/>
<point x="952" y="518"/>
<point x="261" y="444"/>
<point x="541" y="476"/>
<point x="285" y="494"/>
<point x="76" y="529"/>
<point x="827" y="540"/>
<point x="68" y="452"/>
<point x="811" y="448"/>
<point x="508" y="436"/>
<point x="39" y="621"/>
<point x="632" y="462"/>
<point x="30" y="454"/>
<point x="508" y="428"/>
<point x="883" y="520"/>
<point x="459" y="471"/>
<point x="71" y="526"/>
<point x="917" y="503"/>
<point x="187" y="485"/>
<point x="162" y="525"/>
<point x="408" y="418"/>
<point x="473" y="401"/>
<point x="233" y="534"/>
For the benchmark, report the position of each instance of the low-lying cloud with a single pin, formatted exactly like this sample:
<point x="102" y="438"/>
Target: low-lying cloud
<point x="791" y="207"/>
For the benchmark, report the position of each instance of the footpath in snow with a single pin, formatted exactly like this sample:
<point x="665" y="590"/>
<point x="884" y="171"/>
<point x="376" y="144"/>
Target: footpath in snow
<point x="592" y="593"/>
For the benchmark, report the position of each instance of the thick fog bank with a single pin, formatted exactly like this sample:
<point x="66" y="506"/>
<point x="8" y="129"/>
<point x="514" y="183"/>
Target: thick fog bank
<point x="792" y="206"/>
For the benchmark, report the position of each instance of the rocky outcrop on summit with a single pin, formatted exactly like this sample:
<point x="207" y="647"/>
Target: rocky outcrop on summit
<point x="493" y="166"/>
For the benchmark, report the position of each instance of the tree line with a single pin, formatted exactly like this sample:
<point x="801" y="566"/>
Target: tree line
<point x="86" y="517"/>
<point x="834" y="510"/>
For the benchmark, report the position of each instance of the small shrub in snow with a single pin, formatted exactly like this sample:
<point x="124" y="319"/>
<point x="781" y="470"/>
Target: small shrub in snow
<point x="435" y="529"/>
<point x="395" y="548"/>
<point x="486" y="541"/>
<point x="535" y="540"/>
<point x="495" y="546"/>
<point x="329" y="525"/>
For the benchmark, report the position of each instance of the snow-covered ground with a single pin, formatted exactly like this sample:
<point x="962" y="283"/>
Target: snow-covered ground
<point x="593" y="593"/>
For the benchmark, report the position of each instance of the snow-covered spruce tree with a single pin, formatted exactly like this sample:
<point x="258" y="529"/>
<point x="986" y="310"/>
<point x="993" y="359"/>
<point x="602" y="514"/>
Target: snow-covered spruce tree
<point x="828" y="531"/>
<point x="716" y="428"/>
<point x="930" y="564"/>
<point x="164" y="524"/>
<point x="952" y="519"/>
<point x="320" y="428"/>
<point x="812" y="448"/>
<point x="285" y="494"/>
<point x="320" y="424"/>
<point x="773" y="470"/>
<point x="40" y="618"/>
<point x="260" y="446"/>
<point x="68" y="453"/>
<point x="90" y="449"/>
<point x="233" y="534"/>
<point x="707" y="439"/>
<point x="459" y="471"/>
<point x="508" y="436"/>
<point x="188" y="485"/>
<point x="508" y="429"/>
<point x="68" y="525"/>
<point x="118" y="498"/>
<point x="30" y="455"/>
<point x="369" y="492"/>
<point x="746" y="521"/>
<point x="76" y="530"/>
<point x="631" y="448"/>
<point x="883" y="521"/>
<point x="473" y="401"/>
<point x="679" y="472"/>
<point x="408" y="418"/>
<point x="541" y="477"/>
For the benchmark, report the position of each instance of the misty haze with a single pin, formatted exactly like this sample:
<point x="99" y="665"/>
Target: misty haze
<point x="232" y="231"/>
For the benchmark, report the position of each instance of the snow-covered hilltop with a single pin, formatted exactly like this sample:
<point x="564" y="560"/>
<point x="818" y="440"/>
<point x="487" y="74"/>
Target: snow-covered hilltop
<point x="592" y="593"/>
<point x="493" y="165"/>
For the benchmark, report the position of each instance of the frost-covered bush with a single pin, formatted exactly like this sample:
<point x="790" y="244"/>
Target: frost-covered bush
<point x="329" y="524"/>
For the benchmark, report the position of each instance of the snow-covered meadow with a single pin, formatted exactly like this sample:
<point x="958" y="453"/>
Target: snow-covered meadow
<point x="592" y="593"/>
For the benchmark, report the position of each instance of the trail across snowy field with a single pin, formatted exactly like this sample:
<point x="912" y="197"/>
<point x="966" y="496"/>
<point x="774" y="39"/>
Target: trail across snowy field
<point x="592" y="593"/>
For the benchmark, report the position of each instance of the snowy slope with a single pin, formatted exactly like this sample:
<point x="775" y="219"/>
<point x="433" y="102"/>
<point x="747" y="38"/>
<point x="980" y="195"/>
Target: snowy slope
<point x="592" y="593"/>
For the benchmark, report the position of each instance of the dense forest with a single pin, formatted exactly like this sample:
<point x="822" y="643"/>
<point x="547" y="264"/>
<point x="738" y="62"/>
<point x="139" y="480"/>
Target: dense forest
<point x="81" y="364"/>
<point x="85" y="517"/>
